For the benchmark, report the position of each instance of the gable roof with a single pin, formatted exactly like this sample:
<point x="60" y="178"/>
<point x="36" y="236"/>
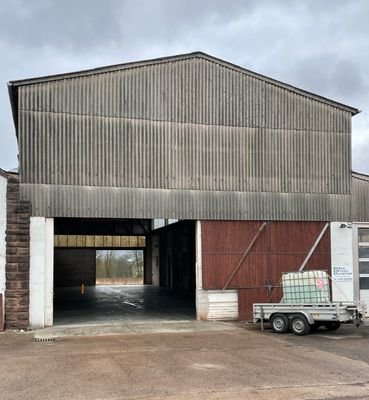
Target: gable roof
<point x="361" y="176"/>
<point x="13" y="85"/>
<point x="3" y="173"/>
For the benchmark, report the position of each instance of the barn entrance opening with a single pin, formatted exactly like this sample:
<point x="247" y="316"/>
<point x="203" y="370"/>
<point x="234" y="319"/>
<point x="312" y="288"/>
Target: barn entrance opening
<point x="116" y="271"/>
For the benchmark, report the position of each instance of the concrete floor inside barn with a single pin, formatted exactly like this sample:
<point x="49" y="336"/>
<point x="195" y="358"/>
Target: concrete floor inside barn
<point x="109" y="304"/>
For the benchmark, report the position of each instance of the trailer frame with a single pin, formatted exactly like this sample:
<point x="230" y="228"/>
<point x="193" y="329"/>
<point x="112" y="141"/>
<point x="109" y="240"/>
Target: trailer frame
<point x="301" y="318"/>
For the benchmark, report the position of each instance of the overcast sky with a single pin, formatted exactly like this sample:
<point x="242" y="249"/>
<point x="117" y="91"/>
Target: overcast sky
<point x="318" y="45"/>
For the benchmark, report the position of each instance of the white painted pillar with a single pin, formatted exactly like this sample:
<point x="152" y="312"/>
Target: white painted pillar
<point x="201" y="306"/>
<point x="41" y="272"/>
<point x="342" y="259"/>
<point x="3" y="186"/>
<point x="49" y="272"/>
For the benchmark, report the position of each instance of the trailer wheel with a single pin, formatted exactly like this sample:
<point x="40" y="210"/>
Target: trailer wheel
<point x="300" y="325"/>
<point x="280" y="323"/>
<point x="332" y="326"/>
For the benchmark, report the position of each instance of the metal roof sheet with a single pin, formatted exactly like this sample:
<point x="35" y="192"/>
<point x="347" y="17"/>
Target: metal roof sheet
<point x="12" y="85"/>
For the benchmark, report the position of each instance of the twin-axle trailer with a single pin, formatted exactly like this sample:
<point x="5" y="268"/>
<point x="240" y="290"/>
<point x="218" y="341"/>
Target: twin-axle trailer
<point x="302" y="318"/>
<point x="306" y="305"/>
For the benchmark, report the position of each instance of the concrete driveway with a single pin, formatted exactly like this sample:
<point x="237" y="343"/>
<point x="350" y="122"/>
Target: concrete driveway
<point x="240" y="363"/>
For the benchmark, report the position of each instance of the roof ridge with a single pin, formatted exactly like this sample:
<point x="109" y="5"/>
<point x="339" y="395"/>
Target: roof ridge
<point x="12" y="85"/>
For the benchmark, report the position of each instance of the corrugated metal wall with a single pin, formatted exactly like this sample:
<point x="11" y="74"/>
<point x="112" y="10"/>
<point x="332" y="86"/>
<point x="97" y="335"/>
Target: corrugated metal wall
<point x="183" y="125"/>
<point x="360" y="197"/>
<point x="281" y="247"/>
<point x="105" y="202"/>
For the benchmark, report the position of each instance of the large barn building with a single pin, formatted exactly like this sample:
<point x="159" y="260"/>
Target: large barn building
<point x="254" y="174"/>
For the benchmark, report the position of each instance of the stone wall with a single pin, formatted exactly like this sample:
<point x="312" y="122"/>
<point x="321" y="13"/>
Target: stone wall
<point x="3" y="185"/>
<point x="17" y="258"/>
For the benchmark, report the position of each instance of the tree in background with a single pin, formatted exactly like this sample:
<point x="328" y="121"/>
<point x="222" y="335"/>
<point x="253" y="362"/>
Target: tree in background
<point x="136" y="259"/>
<point x="115" y="264"/>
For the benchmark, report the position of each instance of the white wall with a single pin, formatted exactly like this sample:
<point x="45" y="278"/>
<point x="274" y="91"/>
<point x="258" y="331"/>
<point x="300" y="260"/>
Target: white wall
<point x="160" y="223"/>
<point x="212" y="304"/>
<point x="41" y="272"/>
<point x="3" y="185"/>
<point x="363" y="294"/>
<point x="343" y="276"/>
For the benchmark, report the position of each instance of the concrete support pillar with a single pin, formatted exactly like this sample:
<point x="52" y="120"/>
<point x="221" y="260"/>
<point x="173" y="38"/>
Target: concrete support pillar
<point x="41" y="272"/>
<point x="155" y="267"/>
<point x="201" y="306"/>
<point x="342" y="257"/>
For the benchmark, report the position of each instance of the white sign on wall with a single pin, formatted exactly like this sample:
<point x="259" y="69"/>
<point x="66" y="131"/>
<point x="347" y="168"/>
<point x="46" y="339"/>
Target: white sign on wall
<point x="342" y="273"/>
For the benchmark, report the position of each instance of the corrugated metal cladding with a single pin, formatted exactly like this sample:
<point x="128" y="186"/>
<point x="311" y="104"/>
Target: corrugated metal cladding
<point x="105" y="202"/>
<point x="360" y="197"/>
<point x="186" y="125"/>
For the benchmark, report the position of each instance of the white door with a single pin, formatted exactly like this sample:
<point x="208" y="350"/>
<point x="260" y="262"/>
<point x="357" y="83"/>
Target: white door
<point x="363" y="238"/>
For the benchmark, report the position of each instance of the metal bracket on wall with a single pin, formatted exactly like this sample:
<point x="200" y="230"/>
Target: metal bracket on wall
<point x="315" y="245"/>
<point x="245" y="254"/>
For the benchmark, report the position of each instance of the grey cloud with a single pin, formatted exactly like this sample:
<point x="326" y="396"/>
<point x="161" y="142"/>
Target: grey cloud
<point x="84" y="24"/>
<point x="320" y="46"/>
<point x="332" y="77"/>
<point x="360" y="162"/>
<point x="63" y="24"/>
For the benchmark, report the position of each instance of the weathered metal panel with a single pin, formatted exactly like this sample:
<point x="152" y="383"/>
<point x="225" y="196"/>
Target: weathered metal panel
<point x="189" y="124"/>
<point x="193" y="90"/>
<point x="105" y="202"/>
<point x="360" y="197"/>
<point x="281" y="247"/>
<point x="77" y="150"/>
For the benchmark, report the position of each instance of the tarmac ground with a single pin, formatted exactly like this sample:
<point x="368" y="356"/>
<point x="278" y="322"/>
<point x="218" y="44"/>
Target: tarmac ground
<point x="237" y="362"/>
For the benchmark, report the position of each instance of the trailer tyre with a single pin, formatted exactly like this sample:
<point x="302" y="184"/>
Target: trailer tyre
<point x="332" y="326"/>
<point x="300" y="325"/>
<point x="280" y="323"/>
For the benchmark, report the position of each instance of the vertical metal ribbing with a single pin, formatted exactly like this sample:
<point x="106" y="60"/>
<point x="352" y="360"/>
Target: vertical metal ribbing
<point x="72" y="132"/>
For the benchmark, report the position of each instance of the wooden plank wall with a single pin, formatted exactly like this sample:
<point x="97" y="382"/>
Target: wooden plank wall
<point x="281" y="247"/>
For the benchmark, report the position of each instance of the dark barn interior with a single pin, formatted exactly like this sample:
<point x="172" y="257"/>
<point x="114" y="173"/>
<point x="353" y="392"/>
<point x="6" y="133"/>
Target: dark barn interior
<point x="164" y="290"/>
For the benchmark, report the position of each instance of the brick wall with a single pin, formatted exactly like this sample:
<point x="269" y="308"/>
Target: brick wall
<point x="17" y="258"/>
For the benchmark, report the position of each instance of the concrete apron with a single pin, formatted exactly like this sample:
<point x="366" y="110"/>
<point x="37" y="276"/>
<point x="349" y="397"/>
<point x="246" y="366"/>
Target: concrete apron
<point x="52" y="333"/>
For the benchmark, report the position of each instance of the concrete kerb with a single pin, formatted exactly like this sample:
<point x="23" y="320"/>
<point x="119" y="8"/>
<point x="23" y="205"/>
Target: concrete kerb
<point x="52" y="333"/>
